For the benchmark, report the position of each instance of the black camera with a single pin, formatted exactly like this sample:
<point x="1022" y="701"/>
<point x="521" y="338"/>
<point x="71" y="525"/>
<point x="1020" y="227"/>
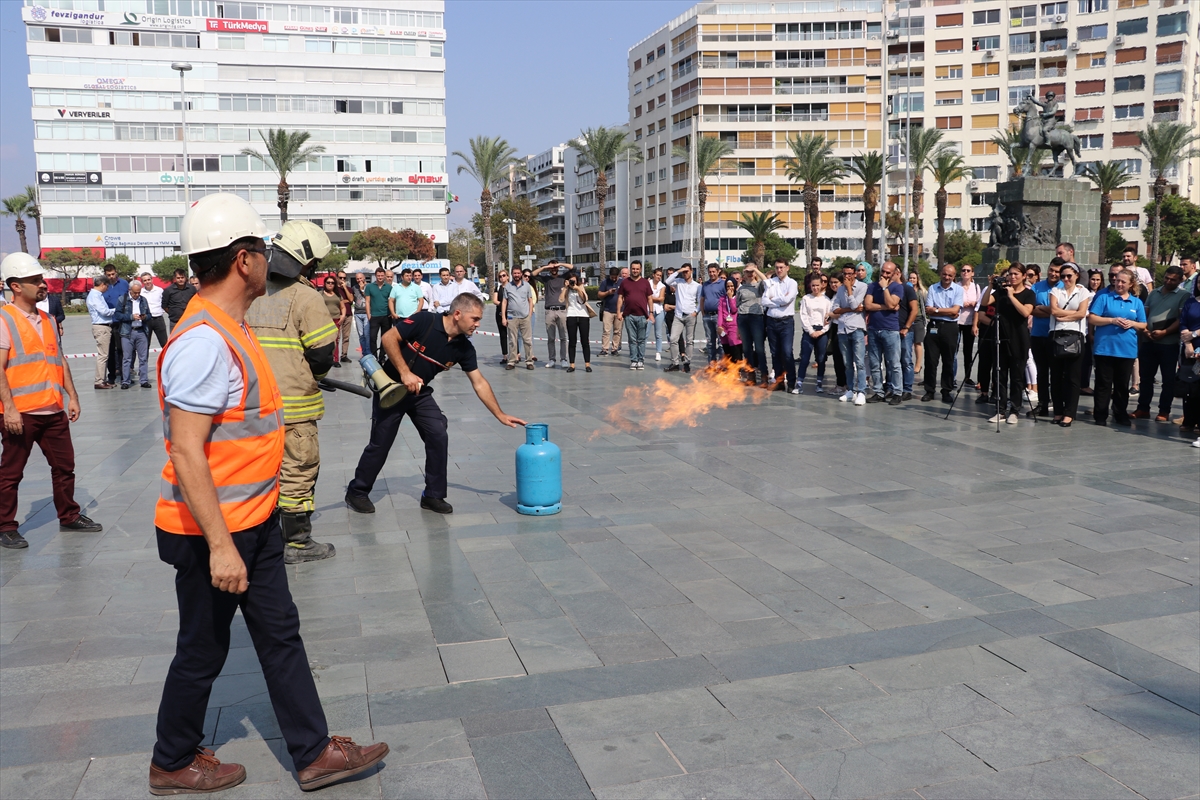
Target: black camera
<point x="999" y="282"/>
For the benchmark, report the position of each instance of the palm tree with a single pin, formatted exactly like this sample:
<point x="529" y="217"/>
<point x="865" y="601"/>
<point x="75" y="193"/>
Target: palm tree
<point x="601" y="148"/>
<point x="1164" y="145"/>
<point x="18" y="206"/>
<point x="923" y="148"/>
<point x="35" y="208"/>
<point x="812" y="163"/>
<point x="1108" y="176"/>
<point x="285" y="151"/>
<point x="760" y="224"/>
<point x="948" y="167"/>
<point x="489" y="163"/>
<point x="709" y="152"/>
<point x="868" y="168"/>
<point x="1009" y="142"/>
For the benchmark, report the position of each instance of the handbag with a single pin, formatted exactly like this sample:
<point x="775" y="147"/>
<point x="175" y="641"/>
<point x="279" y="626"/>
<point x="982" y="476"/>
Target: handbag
<point x="1066" y="344"/>
<point x="591" y="311"/>
<point x="1187" y="379"/>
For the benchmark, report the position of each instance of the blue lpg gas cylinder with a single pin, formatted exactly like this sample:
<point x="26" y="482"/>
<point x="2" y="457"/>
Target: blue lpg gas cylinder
<point x="539" y="472"/>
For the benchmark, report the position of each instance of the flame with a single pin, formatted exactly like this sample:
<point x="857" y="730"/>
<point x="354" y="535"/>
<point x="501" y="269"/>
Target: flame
<point x="665" y="404"/>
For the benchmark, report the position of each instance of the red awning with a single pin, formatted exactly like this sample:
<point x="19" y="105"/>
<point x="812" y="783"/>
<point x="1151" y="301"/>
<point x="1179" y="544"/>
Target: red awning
<point x="80" y="285"/>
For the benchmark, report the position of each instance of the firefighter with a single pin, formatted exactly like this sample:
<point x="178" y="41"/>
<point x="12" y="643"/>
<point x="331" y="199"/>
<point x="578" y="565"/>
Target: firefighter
<point x="295" y="331"/>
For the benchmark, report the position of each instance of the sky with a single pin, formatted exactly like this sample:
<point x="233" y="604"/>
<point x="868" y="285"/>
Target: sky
<point x="536" y="72"/>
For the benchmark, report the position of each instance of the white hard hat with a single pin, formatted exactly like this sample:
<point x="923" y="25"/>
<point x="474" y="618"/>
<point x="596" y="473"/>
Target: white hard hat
<point x="19" y="265"/>
<point x="217" y="220"/>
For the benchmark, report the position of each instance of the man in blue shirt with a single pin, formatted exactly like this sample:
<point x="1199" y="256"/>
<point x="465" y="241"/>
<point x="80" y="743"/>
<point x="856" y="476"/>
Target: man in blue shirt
<point x="1039" y="334"/>
<point x="610" y="338"/>
<point x="942" y="304"/>
<point x="883" y="333"/>
<point x="711" y="292"/>
<point x="117" y="288"/>
<point x="102" y="328"/>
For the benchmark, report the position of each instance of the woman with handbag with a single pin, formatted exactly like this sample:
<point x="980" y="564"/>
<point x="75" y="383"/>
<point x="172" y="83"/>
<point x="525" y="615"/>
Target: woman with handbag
<point x="1118" y="316"/>
<point x="727" y="321"/>
<point x="1068" y="326"/>
<point x="1187" y="384"/>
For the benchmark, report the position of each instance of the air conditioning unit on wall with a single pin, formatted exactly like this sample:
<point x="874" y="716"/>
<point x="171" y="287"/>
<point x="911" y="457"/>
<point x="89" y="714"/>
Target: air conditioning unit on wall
<point x="1120" y="40"/>
<point x="973" y="185"/>
<point x="1073" y="46"/>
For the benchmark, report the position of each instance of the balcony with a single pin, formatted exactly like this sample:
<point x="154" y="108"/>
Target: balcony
<point x="904" y="58"/>
<point x="1054" y="46"/>
<point x="729" y="63"/>
<point x="904" y="82"/>
<point x="1023" y="47"/>
<point x="822" y="63"/>
<point x="793" y="90"/>
<point x="1054" y="72"/>
<point x="1027" y="74"/>
<point x="1165" y="116"/>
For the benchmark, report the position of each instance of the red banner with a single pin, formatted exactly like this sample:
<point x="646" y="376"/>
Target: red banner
<point x="238" y="25"/>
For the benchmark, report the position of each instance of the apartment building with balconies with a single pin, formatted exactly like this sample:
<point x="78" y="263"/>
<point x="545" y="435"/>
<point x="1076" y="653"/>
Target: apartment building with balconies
<point x="583" y="214"/>
<point x="542" y="184"/>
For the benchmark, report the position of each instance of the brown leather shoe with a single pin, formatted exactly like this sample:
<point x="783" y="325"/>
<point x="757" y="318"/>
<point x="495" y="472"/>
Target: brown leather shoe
<point x="205" y="774"/>
<point x="341" y="759"/>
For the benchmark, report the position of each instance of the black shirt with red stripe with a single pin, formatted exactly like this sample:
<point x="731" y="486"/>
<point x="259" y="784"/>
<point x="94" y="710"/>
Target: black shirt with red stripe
<point x="428" y="349"/>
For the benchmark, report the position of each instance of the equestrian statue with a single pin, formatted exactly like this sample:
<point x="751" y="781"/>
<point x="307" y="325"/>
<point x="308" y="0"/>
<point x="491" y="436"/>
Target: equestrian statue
<point x="1041" y="129"/>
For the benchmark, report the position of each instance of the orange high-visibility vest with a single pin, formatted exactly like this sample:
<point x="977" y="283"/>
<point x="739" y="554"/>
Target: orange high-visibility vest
<point x="245" y="445"/>
<point x="35" y="369"/>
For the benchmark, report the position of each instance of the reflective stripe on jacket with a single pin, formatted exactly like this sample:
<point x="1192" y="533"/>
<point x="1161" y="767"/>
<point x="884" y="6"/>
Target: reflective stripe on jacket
<point x="245" y="444"/>
<point x="35" y="371"/>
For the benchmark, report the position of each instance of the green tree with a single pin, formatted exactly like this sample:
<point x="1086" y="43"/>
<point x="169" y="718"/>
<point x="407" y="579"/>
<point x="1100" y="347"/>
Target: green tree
<point x="601" y="149"/>
<point x="773" y="247"/>
<point x="868" y="168"/>
<point x="709" y="152"/>
<point x="963" y="247"/>
<point x="380" y="245"/>
<point x="465" y="247"/>
<point x="1114" y="245"/>
<point x="125" y="266"/>
<point x="1108" y="176"/>
<point x="336" y="259"/>
<point x="812" y="164"/>
<point x="285" y="152"/>
<point x="418" y="245"/>
<point x="1178" y="221"/>
<point x="948" y="167"/>
<point x="18" y="206"/>
<point x="529" y="231"/>
<point x="1009" y="142"/>
<point x="760" y="225"/>
<point x="70" y="264"/>
<point x="489" y="162"/>
<point x="165" y="267"/>
<point x="1165" y="145"/>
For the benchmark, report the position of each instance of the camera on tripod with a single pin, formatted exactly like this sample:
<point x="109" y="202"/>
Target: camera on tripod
<point x="999" y="282"/>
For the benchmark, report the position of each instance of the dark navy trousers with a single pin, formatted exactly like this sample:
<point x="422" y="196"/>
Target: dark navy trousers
<point x="205" y="614"/>
<point x="431" y="426"/>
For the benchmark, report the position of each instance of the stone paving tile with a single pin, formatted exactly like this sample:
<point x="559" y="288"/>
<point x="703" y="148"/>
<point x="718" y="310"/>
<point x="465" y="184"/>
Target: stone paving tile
<point x="51" y="780"/>
<point x="1149" y="715"/>
<point x="749" y="741"/>
<point x="910" y="713"/>
<point x="1164" y="767"/>
<point x="528" y="764"/>
<point x="767" y="781"/>
<point x="602" y="719"/>
<point x="625" y="759"/>
<point x="1069" y="779"/>
<point x="457" y="779"/>
<point x="928" y="670"/>
<point x="785" y="693"/>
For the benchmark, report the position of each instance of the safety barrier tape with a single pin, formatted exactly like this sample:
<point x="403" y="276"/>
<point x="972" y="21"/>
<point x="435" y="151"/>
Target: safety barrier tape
<point x="93" y="355"/>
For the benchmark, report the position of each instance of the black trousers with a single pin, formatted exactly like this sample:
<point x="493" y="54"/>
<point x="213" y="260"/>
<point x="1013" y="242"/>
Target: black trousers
<point x="503" y="333"/>
<point x="781" y="335"/>
<point x="431" y="426"/>
<point x="968" y="347"/>
<point x="205" y="614"/>
<point x="1014" y="352"/>
<point x="1042" y="356"/>
<point x="577" y="330"/>
<point x="986" y="357"/>
<point x="115" y="356"/>
<point x="158" y="326"/>
<point x="1112" y="387"/>
<point x="1064" y="385"/>
<point x="378" y="327"/>
<point x="941" y="344"/>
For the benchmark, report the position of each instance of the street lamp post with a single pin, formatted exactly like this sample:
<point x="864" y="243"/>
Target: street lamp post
<point x="182" y="67"/>
<point x="512" y="231"/>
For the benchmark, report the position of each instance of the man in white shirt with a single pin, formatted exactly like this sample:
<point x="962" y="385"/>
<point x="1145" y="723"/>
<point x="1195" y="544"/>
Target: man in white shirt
<point x="779" y="305"/>
<point x="442" y="294"/>
<point x="848" y="306"/>
<point x="1129" y="261"/>
<point x="102" y="328"/>
<point x="462" y="285"/>
<point x="687" y="303"/>
<point x="154" y="297"/>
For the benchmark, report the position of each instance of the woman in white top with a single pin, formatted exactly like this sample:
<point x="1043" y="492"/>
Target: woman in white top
<point x="966" y="320"/>
<point x="659" y="291"/>
<point x="1068" y="325"/>
<point x="814" y="319"/>
<point x="574" y="295"/>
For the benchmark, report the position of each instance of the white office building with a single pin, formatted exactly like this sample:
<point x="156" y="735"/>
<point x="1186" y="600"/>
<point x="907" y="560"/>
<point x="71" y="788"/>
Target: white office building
<point x="365" y="78"/>
<point x="542" y="185"/>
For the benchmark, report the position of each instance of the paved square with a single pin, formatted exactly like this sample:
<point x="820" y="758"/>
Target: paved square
<point x="798" y="598"/>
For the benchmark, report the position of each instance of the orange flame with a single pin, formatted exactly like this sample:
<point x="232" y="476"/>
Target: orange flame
<point x="665" y="404"/>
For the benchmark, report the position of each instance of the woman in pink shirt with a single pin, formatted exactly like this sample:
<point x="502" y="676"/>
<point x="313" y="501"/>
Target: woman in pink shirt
<point x="727" y="322"/>
<point x="966" y="319"/>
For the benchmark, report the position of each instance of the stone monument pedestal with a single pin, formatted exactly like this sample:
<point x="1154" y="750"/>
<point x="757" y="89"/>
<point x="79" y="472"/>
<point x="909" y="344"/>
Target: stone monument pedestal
<point x="1032" y="215"/>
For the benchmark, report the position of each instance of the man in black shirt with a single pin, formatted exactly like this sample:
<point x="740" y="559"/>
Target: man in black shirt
<point x="175" y="298"/>
<point x="418" y="348"/>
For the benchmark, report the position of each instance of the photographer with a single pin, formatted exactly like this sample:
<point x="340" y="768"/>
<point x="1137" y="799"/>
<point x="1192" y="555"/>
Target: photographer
<point x="1014" y="304"/>
<point x="579" y="319"/>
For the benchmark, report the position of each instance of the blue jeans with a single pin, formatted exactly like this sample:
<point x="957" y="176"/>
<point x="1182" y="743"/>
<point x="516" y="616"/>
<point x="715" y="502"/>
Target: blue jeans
<point x="364" y="332"/>
<point x="635" y="334"/>
<point x="908" y="366"/>
<point x="753" y="336"/>
<point x="852" y="347"/>
<point x="781" y="333"/>
<point x="808" y="346"/>
<point x="660" y="332"/>
<point x="885" y="344"/>
<point x="710" y="333"/>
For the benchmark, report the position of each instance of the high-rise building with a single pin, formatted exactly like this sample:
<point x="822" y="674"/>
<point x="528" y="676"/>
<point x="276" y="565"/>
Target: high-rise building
<point x="756" y="74"/>
<point x="542" y="185"/>
<point x="583" y="213"/>
<point x="366" y="80"/>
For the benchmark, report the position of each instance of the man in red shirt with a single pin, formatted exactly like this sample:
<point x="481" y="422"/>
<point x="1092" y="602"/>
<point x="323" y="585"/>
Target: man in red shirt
<point x="634" y="299"/>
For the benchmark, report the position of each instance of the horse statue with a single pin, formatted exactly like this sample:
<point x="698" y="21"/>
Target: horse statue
<point x="1041" y="130"/>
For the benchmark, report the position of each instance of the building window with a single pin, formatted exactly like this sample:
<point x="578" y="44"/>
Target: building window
<point x="1168" y="82"/>
<point x="1091" y="141"/>
<point x="985" y="43"/>
<point x="1132" y="166"/>
<point x="436" y="50"/>
<point x="1022" y="43"/>
<point x="989" y="17"/>
<point x="1090" y="32"/>
<point x="231" y="41"/>
<point x="985" y="173"/>
<point x="981" y="224"/>
<point x="70" y="35"/>
<point x="1131" y="27"/>
<point x="1097" y="60"/>
<point x="1172" y="24"/>
<point x="1129" y="83"/>
<point x="637" y="88"/>
<point x="1135" y="111"/>
<point x="1018" y="93"/>
<point x="275" y="44"/>
<point x="985" y="95"/>
<point x="1092" y="6"/>
<point x="637" y="111"/>
<point x="1022" y="16"/>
